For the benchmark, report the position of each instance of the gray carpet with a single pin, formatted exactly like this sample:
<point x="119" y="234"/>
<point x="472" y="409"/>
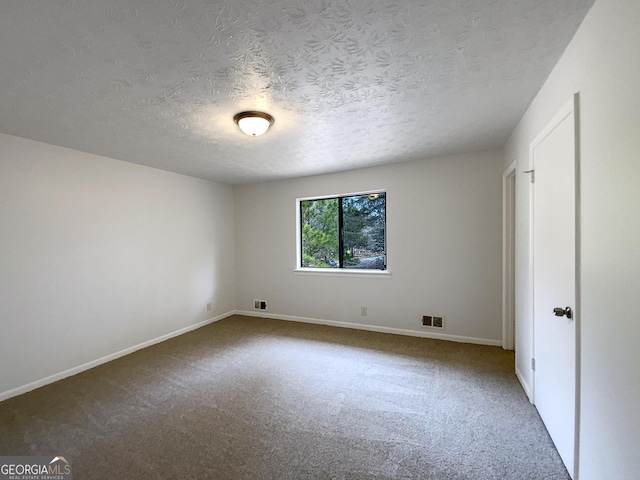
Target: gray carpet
<point x="250" y="398"/>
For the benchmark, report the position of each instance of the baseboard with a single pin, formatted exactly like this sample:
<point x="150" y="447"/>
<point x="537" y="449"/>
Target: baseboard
<point x="525" y="385"/>
<point x="374" y="328"/>
<point x="94" y="363"/>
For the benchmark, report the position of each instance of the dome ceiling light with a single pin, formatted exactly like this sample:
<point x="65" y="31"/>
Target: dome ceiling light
<point x="253" y="124"/>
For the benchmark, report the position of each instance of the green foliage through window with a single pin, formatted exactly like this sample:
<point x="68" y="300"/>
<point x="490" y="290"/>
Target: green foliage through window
<point x="344" y="232"/>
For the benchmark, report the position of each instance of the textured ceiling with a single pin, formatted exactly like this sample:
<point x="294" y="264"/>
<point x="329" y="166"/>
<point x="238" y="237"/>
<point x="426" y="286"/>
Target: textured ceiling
<point x="351" y="83"/>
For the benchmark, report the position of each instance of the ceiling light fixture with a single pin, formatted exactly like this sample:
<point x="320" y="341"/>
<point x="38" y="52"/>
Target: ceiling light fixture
<point x="253" y="123"/>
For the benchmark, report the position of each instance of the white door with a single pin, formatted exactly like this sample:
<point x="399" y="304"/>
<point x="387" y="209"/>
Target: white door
<point x="554" y="280"/>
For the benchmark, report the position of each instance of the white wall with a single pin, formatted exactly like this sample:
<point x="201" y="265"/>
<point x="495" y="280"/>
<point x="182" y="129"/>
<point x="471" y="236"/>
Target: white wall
<point x="98" y="255"/>
<point x="444" y="248"/>
<point x="603" y="64"/>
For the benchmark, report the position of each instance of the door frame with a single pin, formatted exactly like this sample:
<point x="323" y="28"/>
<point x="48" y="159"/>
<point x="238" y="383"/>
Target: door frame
<point x="572" y="106"/>
<point x="508" y="256"/>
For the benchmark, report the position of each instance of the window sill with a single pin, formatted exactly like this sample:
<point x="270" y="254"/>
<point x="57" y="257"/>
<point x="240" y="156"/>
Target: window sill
<point x="335" y="272"/>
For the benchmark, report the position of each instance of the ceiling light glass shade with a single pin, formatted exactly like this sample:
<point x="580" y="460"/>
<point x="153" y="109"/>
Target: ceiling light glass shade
<point x="253" y="123"/>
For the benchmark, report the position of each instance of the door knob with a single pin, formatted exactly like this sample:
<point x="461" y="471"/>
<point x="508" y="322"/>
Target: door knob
<point x="561" y="312"/>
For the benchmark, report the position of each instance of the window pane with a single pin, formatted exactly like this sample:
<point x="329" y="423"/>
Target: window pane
<point x="364" y="231"/>
<point x="319" y="220"/>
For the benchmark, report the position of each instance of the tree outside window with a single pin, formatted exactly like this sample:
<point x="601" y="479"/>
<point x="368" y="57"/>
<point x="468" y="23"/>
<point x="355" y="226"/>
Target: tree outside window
<point x="344" y="232"/>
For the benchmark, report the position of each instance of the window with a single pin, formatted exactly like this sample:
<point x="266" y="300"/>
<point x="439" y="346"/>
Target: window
<point x="344" y="232"/>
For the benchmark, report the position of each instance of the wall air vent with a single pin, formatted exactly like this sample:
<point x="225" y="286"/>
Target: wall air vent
<point x="432" y="321"/>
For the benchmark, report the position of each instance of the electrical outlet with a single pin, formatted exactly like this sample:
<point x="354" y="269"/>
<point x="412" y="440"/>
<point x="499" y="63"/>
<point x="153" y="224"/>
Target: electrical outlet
<point x="363" y="311"/>
<point x="208" y="307"/>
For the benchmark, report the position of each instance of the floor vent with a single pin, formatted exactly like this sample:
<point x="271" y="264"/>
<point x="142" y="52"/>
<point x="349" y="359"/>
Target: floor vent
<point x="432" y="321"/>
